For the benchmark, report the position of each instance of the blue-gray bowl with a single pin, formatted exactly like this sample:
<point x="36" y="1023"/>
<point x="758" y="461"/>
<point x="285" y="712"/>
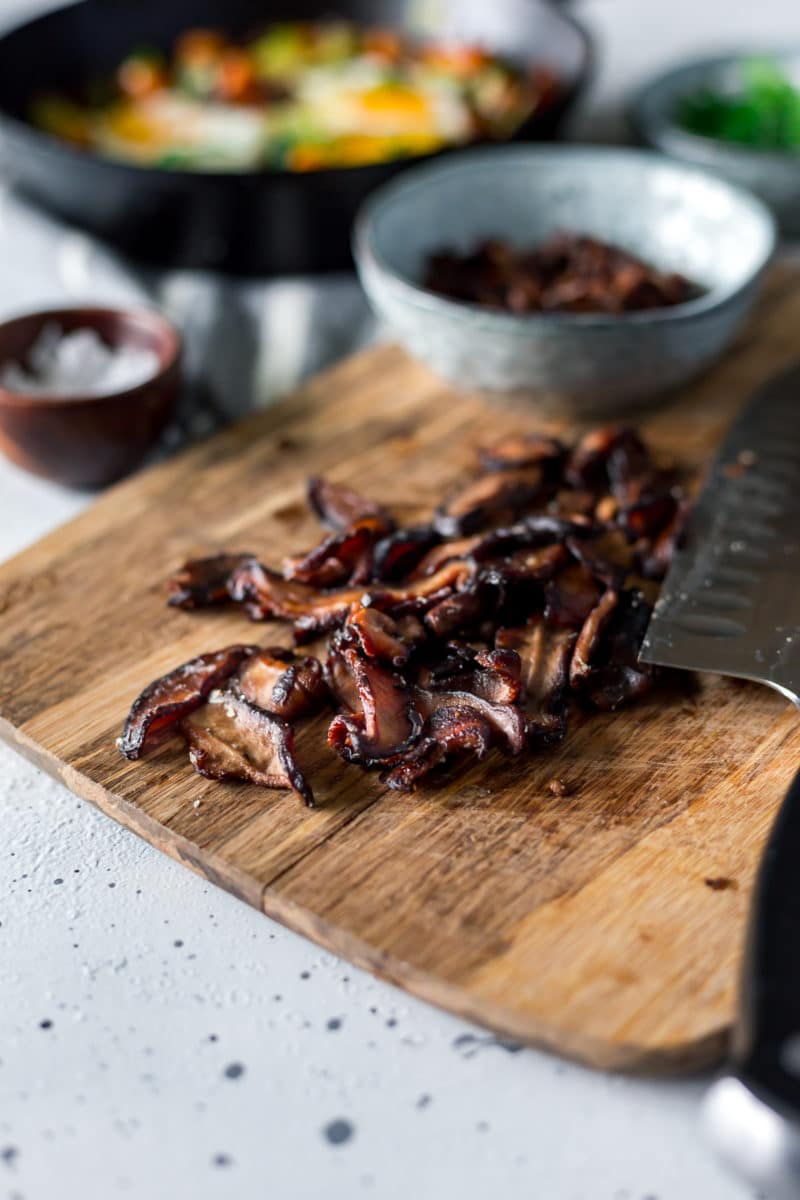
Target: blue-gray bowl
<point x="773" y="175"/>
<point x="678" y="218"/>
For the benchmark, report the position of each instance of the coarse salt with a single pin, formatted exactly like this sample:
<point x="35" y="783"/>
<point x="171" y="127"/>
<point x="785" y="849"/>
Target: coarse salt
<point x="78" y="363"/>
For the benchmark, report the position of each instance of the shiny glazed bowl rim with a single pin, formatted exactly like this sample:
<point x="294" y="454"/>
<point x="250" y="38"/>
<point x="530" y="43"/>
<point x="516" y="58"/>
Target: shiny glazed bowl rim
<point x="369" y="257"/>
<point x="169" y="351"/>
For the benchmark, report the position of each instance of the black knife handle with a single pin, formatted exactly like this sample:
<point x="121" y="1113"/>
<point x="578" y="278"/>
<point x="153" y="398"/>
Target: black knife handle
<point x="752" y="1115"/>
<point x="766" y="1048"/>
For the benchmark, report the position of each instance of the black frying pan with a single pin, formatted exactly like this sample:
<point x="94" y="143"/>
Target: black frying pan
<point x="264" y="222"/>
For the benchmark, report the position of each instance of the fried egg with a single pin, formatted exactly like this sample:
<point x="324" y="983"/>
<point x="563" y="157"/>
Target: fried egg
<point x="364" y="99"/>
<point x="151" y="130"/>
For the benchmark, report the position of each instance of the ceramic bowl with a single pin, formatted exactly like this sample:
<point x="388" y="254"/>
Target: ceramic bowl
<point x="675" y="217"/>
<point x="773" y="176"/>
<point x="89" y="441"/>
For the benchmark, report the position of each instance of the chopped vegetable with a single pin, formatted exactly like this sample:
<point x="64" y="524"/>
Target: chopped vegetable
<point x="764" y="113"/>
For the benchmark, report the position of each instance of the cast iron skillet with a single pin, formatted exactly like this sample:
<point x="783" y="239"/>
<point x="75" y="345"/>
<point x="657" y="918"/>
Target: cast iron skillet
<point x="264" y="222"/>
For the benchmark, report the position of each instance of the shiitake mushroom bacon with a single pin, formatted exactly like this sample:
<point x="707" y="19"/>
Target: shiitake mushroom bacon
<point x="526" y="593"/>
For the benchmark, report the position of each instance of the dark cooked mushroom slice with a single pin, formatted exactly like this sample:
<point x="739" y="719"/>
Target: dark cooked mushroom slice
<point x="465" y="610"/>
<point x="649" y="512"/>
<point x="340" y="682"/>
<point x="388" y="722"/>
<point x="544" y="653"/>
<point x="589" y="639"/>
<point x="654" y="556"/>
<point x="445" y="665"/>
<point x="499" y="497"/>
<point x="617" y="676"/>
<point x="397" y="554"/>
<point x="265" y="594"/>
<point x="166" y="700"/>
<point x="523" y="450"/>
<point x="571" y="596"/>
<point x="201" y="582"/>
<point x="340" y="556"/>
<point x="549" y="527"/>
<point x="445" y="552"/>
<point x="419" y="595"/>
<point x="536" y="564"/>
<point x="283" y="683"/>
<point x="609" y="558"/>
<point x="505" y="720"/>
<point x="572" y="503"/>
<point x="627" y="463"/>
<point x="588" y="463"/>
<point x="338" y="506"/>
<point x="492" y="675"/>
<point x="231" y="738"/>
<point x="453" y="731"/>
<point x="498" y="675"/>
<point x="535" y="531"/>
<point x="457" y="614"/>
<point x="378" y="635"/>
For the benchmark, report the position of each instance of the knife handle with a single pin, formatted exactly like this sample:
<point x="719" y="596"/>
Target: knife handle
<point x="753" y="1114"/>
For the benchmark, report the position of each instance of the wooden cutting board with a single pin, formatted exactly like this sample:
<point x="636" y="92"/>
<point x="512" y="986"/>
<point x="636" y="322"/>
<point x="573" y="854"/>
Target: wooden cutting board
<point x="606" y="924"/>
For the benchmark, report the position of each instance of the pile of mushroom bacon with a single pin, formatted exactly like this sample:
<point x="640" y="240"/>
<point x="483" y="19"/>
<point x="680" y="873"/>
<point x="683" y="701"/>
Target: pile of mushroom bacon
<point x="526" y="594"/>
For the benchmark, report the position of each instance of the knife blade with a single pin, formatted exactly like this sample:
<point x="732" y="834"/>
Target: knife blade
<point x="729" y="601"/>
<point x="731" y="604"/>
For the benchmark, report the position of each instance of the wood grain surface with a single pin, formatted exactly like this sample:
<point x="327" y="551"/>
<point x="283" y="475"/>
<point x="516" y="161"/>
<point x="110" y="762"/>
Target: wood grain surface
<point x="583" y="923"/>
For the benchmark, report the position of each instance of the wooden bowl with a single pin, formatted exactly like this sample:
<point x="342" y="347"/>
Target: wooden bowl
<point x="89" y="441"/>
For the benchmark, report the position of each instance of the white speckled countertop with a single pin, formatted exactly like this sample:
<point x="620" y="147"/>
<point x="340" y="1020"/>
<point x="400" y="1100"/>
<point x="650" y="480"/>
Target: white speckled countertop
<point x="159" y="1040"/>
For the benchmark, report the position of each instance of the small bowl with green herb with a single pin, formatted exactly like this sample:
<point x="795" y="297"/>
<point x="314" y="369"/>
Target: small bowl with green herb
<point x="737" y="114"/>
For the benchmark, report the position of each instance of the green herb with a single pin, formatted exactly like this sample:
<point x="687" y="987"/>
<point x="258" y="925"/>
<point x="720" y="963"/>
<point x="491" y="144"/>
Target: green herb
<point x="764" y="112"/>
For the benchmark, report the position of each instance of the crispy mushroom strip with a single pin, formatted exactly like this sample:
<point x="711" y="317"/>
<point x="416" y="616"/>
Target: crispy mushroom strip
<point x="339" y="507"/>
<point x="457" y="725"/>
<point x="265" y="594"/>
<point x="544" y="653"/>
<point x="589" y="638"/>
<point x="496" y="498"/>
<point x="396" y="555"/>
<point x="536" y="564"/>
<point x="505" y="720"/>
<point x="165" y="701"/>
<point x="615" y="459"/>
<point x="492" y="675"/>
<point x="453" y="732"/>
<point x="609" y="673"/>
<point x="201" y="582"/>
<point x="523" y="450"/>
<point x="609" y="559"/>
<point x="341" y="557"/>
<point x="654" y="556"/>
<point x="653" y="505"/>
<point x="377" y="635"/>
<point x="588" y="464"/>
<point x="341" y="684"/>
<point x="232" y="738"/>
<point x="388" y="721"/>
<point x="444" y="552"/>
<point x="459" y="613"/>
<point x="283" y="683"/>
<point x="571" y="596"/>
<point x="537" y="531"/>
